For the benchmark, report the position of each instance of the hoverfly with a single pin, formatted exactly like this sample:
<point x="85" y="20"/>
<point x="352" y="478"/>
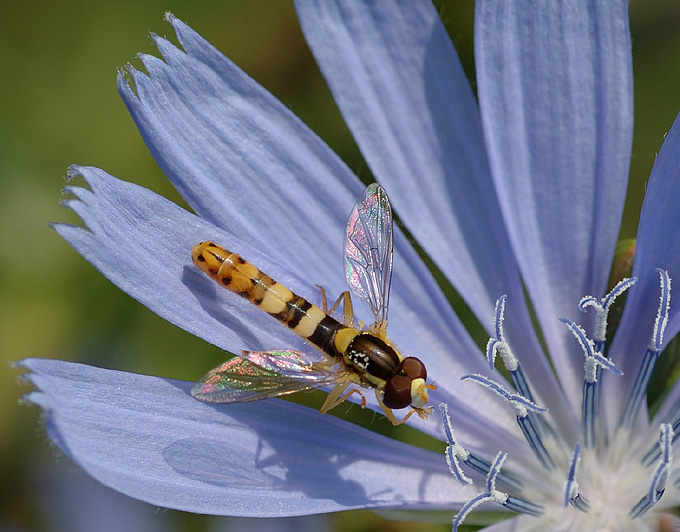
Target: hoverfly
<point x="353" y="359"/>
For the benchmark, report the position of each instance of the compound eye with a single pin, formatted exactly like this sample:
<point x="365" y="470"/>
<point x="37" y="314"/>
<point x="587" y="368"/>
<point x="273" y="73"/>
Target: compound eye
<point x="413" y="368"/>
<point x="397" y="392"/>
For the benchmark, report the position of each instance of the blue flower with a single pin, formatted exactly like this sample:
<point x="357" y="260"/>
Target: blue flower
<point x="517" y="200"/>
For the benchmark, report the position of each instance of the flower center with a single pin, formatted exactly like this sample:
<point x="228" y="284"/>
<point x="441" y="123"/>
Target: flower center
<point x="597" y="483"/>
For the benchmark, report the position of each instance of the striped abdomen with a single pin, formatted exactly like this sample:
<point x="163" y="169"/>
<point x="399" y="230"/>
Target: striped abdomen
<point x="241" y="277"/>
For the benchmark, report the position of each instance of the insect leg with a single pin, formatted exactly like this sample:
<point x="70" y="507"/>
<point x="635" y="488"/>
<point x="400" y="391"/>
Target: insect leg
<point x="389" y="413"/>
<point x="347" y="307"/>
<point x="346" y="300"/>
<point x="336" y="397"/>
<point x="324" y="301"/>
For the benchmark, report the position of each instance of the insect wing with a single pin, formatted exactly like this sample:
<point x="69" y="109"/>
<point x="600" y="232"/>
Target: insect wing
<point x="368" y="251"/>
<point x="260" y="375"/>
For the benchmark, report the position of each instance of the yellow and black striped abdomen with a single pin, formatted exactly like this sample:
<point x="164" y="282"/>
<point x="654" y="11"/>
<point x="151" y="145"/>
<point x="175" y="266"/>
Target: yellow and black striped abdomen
<point x="241" y="277"/>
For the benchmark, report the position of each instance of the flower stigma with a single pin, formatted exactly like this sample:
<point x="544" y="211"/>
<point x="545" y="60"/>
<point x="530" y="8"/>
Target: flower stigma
<point x="608" y="479"/>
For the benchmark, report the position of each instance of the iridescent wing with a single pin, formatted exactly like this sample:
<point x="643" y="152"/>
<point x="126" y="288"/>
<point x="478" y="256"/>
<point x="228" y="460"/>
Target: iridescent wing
<point x="259" y="375"/>
<point x="368" y="251"/>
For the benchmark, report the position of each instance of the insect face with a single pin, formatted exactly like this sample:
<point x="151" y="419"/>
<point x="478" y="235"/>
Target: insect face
<point x="406" y="387"/>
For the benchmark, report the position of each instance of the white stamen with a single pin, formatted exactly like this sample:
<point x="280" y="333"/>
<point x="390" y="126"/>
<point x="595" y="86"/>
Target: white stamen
<point x="593" y="358"/>
<point x="453" y="450"/>
<point x="493" y="495"/>
<point x="661" y="473"/>
<point x="537" y="428"/>
<point x="571" y="487"/>
<point x="602" y="307"/>
<point x="498" y="345"/>
<point x="664" y="308"/>
<point x="520" y="403"/>
<point x="641" y="383"/>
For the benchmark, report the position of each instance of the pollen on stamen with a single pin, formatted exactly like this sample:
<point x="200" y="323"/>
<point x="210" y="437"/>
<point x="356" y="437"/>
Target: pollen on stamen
<point x="522" y="406"/>
<point x="571" y="489"/>
<point x="661" y="473"/>
<point x="602" y="308"/>
<point x="664" y="308"/>
<point x="603" y="497"/>
<point x="498" y="345"/>
<point x="455" y="452"/>
<point x="491" y="494"/>
<point x="594" y="361"/>
<point x="639" y="391"/>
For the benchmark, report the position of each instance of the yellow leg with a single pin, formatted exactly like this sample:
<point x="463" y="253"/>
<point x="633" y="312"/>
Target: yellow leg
<point x="423" y="413"/>
<point x="389" y="413"/>
<point x="324" y="302"/>
<point x="324" y="366"/>
<point x="347" y="305"/>
<point x="336" y="397"/>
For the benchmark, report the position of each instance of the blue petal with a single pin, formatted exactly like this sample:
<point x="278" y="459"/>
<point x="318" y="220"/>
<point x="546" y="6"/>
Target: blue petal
<point x="658" y="246"/>
<point x="555" y="91"/>
<point x="289" y="205"/>
<point x="142" y="243"/>
<point x="238" y="156"/>
<point x="148" y="438"/>
<point x="401" y="88"/>
<point x="516" y="524"/>
<point x="248" y="165"/>
<point x="306" y="523"/>
<point x="70" y="501"/>
<point x="667" y="412"/>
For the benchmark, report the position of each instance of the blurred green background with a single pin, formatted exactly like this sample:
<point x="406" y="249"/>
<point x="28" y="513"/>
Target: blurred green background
<point x="59" y="105"/>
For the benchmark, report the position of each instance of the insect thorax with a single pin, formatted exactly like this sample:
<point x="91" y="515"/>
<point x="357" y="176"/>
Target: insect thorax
<point x="372" y="358"/>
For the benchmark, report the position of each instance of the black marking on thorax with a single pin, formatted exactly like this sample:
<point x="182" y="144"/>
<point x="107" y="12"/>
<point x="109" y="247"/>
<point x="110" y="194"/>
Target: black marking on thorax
<point x="369" y="353"/>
